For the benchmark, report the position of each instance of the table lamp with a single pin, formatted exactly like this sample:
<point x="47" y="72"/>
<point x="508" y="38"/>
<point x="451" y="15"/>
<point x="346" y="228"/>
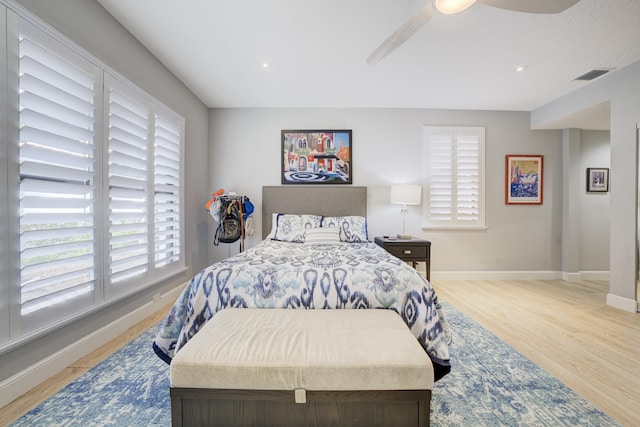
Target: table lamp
<point x="405" y="194"/>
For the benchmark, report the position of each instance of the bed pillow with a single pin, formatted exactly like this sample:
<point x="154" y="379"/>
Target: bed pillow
<point x="322" y="236"/>
<point x="291" y="228"/>
<point x="353" y="229"/>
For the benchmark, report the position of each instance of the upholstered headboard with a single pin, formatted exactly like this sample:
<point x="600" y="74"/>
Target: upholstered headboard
<point x="327" y="200"/>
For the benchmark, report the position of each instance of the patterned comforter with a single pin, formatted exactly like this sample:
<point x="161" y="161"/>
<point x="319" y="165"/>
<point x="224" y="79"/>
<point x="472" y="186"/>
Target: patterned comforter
<point x="277" y="274"/>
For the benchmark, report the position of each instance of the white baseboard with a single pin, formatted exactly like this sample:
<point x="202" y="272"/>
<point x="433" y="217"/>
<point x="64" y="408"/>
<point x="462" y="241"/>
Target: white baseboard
<point x="25" y="380"/>
<point x="496" y="275"/>
<point x="622" y="303"/>
<point x="520" y="275"/>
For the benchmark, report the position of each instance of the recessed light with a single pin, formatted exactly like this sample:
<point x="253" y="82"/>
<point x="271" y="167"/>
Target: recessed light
<point x="266" y="65"/>
<point x="520" y="68"/>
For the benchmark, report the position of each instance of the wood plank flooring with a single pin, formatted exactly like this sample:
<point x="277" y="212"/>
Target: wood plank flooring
<point x="565" y="328"/>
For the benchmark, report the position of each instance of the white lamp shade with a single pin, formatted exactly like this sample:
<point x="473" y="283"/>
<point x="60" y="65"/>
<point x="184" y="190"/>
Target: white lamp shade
<point x="406" y="194"/>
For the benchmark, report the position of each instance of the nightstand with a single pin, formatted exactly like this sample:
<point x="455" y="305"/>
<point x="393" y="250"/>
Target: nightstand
<point x="413" y="250"/>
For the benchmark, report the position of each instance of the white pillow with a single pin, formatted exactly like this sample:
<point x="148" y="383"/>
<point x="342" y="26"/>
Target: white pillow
<point x="291" y="228"/>
<point x="353" y="229"/>
<point x="322" y="236"/>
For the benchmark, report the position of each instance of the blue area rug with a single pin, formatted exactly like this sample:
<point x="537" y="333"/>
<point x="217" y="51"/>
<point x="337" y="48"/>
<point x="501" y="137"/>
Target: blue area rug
<point x="490" y="385"/>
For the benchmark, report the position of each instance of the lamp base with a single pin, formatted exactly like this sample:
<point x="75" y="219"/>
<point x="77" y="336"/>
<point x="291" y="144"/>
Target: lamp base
<point x="404" y="236"/>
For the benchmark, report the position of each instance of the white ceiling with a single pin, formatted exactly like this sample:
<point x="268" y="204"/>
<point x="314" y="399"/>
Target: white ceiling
<point x="318" y="50"/>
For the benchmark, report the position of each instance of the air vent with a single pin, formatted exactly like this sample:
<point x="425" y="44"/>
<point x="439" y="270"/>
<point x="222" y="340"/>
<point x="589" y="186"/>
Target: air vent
<point x="590" y="75"/>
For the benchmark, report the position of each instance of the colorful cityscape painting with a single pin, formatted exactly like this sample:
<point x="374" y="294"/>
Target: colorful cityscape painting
<point x="523" y="179"/>
<point x="316" y="157"/>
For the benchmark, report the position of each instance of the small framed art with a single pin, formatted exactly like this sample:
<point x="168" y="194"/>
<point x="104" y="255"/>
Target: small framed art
<point x="597" y="180"/>
<point x="523" y="179"/>
<point x="316" y="157"/>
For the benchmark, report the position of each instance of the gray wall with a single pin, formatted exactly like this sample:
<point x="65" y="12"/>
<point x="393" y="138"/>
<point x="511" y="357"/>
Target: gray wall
<point x="622" y="90"/>
<point x="594" y="207"/>
<point x="387" y="149"/>
<point x="90" y="26"/>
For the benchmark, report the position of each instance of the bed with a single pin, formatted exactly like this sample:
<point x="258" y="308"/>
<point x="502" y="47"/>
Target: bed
<point x="293" y="274"/>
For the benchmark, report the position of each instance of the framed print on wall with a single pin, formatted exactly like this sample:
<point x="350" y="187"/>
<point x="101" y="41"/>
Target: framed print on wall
<point x="523" y="177"/>
<point x="597" y="180"/>
<point x="316" y="157"/>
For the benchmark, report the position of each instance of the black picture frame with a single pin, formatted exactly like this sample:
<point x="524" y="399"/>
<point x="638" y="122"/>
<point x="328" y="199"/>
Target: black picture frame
<point x="597" y="180"/>
<point x="319" y="156"/>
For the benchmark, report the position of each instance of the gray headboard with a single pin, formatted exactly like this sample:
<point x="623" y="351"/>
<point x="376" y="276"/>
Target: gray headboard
<point x="327" y="200"/>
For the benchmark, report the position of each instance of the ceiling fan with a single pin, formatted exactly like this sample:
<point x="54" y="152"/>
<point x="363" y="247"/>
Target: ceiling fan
<point x="448" y="7"/>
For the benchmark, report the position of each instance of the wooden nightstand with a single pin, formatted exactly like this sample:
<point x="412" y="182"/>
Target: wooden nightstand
<point x="414" y="250"/>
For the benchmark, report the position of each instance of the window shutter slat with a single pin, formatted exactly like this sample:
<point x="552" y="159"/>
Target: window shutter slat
<point x="61" y="295"/>
<point x="52" y="270"/>
<point x="30" y="117"/>
<point x="79" y="98"/>
<point x="29" y="168"/>
<point x="58" y="111"/>
<point x="27" y="237"/>
<point x="57" y="142"/>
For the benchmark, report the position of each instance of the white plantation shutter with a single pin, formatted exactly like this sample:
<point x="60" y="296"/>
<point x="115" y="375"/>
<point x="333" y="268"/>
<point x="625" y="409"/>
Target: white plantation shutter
<point x="166" y="181"/>
<point x="57" y="176"/>
<point x="92" y="169"/>
<point x="455" y="176"/>
<point x="441" y="189"/>
<point x="468" y="174"/>
<point x="128" y="179"/>
<point x="5" y="271"/>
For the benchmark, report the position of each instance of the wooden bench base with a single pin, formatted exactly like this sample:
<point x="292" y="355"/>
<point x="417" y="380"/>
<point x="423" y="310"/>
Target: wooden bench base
<point x="273" y="408"/>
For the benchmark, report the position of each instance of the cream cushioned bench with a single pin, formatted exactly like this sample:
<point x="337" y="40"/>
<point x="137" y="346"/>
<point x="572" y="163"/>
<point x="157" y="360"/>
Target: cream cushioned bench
<point x="280" y="367"/>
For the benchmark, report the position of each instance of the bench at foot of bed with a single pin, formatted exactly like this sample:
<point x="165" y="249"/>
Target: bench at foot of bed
<point x="279" y="367"/>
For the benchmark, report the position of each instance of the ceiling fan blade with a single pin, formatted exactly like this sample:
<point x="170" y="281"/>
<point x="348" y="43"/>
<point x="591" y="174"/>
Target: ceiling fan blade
<point x="532" y="6"/>
<point x="403" y="33"/>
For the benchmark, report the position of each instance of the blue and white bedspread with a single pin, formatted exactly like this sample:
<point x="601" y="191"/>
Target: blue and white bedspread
<point x="277" y="274"/>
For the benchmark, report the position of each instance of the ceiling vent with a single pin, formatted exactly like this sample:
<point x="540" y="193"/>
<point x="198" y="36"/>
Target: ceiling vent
<point x="590" y="75"/>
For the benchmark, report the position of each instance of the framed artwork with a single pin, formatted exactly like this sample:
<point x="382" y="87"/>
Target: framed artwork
<point x="316" y="157"/>
<point x="597" y="180"/>
<point x="523" y="178"/>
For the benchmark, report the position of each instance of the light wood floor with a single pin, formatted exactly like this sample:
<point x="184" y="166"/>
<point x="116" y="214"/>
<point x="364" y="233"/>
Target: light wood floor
<point x="566" y="328"/>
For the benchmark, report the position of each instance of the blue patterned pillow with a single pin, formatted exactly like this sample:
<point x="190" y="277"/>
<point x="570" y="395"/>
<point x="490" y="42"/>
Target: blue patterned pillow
<point x="353" y="229"/>
<point x="291" y="228"/>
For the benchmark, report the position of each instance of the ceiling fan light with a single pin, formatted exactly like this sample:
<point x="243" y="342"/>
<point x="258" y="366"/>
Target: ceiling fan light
<point x="449" y="7"/>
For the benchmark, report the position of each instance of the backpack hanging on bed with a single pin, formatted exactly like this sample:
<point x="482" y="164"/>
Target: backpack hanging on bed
<point x="230" y="228"/>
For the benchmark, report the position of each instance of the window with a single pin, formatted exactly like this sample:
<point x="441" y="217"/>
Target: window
<point x="57" y="175"/>
<point x="91" y="183"/>
<point x="454" y="176"/>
